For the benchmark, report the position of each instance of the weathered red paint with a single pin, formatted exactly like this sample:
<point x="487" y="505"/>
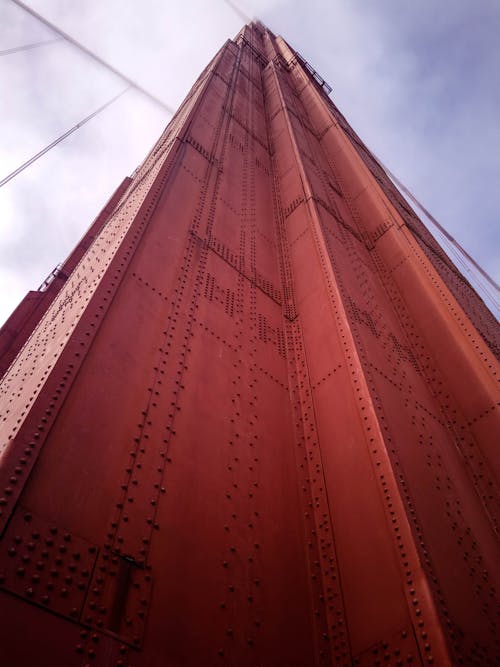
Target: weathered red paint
<point x="256" y="424"/>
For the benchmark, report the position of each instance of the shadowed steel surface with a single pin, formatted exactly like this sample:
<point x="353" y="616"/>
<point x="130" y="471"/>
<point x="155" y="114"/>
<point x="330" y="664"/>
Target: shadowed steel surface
<point x="252" y="421"/>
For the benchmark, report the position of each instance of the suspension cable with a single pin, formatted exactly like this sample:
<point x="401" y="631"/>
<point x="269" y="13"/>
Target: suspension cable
<point x="454" y="244"/>
<point x="238" y="11"/>
<point x="26" y="164"/>
<point x="443" y="231"/>
<point x="93" y="55"/>
<point x="25" y="47"/>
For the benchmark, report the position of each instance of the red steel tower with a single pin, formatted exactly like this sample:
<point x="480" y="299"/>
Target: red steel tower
<point x="252" y="421"/>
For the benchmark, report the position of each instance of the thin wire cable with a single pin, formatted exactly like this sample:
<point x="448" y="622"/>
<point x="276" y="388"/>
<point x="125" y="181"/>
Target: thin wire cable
<point x="478" y="278"/>
<point x="474" y="278"/>
<point x="450" y="242"/>
<point x="26" y="47"/>
<point x="447" y="239"/>
<point x="445" y="233"/>
<point x="244" y="17"/>
<point x="93" y="55"/>
<point x="26" y="164"/>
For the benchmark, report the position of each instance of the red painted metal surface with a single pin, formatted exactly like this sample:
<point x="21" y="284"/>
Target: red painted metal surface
<point x="256" y="425"/>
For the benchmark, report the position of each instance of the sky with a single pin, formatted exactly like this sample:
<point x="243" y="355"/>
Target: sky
<point x="418" y="81"/>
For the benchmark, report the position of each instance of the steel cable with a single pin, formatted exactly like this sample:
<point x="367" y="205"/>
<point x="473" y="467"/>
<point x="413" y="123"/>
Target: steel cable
<point x="92" y="55"/>
<point x="26" y="47"/>
<point x="443" y="231"/>
<point x="449" y="240"/>
<point x="38" y="155"/>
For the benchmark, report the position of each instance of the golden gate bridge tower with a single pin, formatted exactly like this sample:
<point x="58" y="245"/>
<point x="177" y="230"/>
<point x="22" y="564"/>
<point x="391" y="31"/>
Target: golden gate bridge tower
<point x="252" y="420"/>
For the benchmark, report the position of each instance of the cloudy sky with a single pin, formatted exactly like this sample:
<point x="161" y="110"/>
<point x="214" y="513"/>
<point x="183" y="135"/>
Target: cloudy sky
<point x="418" y="80"/>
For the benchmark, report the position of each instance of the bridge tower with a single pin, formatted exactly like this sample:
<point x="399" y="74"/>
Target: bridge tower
<point x="252" y="420"/>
